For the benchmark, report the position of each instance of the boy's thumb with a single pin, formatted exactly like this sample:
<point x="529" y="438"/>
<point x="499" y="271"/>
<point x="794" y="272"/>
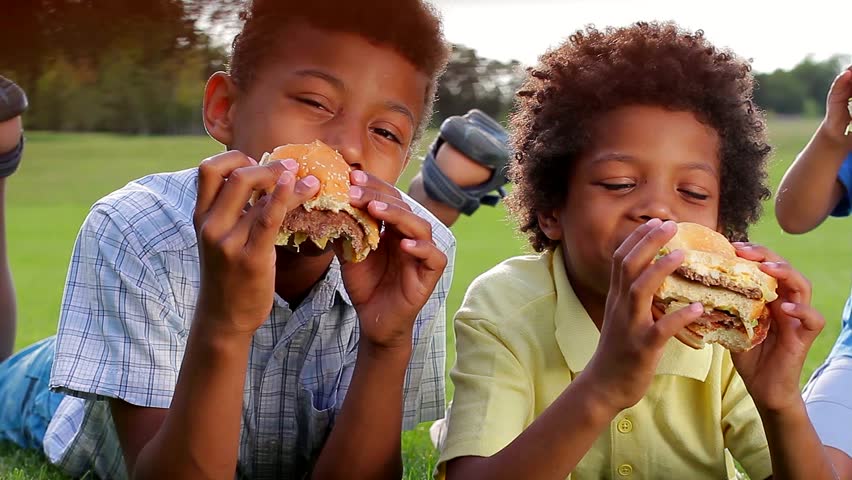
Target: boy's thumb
<point x="672" y="323"/>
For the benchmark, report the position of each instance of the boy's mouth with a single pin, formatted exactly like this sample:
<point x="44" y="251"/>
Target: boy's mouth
<point x="308" y="249"/>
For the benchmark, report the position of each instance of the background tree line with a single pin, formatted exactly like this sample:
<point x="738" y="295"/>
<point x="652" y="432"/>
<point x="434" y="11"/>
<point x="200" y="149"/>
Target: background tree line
<point x="140" y="67"/>
<point x="802" y="90"/>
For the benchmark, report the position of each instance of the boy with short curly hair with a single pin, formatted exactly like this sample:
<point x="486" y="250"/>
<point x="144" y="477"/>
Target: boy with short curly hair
<point x="563" y="369"/>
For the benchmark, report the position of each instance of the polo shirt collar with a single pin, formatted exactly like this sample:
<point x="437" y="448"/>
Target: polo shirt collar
<point x="578" y="337"/>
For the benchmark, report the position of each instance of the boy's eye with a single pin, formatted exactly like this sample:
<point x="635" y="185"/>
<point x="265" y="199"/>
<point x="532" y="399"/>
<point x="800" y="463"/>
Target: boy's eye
<point x="616" y="186"/>
<point x="387" y="134"/>
<point x="693" y="194"/>
<point x="313" y="103"/>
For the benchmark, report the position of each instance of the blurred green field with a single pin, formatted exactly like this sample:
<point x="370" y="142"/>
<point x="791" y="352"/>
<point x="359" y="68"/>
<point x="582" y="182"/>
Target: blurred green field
<point x="63" y="174"/>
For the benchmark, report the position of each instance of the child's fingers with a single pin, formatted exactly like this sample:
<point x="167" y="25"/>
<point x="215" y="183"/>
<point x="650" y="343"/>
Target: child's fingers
<point x="430" y="257"/>
<point x="642" y="289"/>
<point x="756" y="253"/>
<point x="841" y="88"/>
<point x="795" y="323"/>
<point x="401" y="219"/>
<point x="809" y="317"/>
<point x="287" y="195"/>
<point x="229" y="205"/>
<point x="421" y="270"/>
<point x="627" y="246"/>
<point x="360" y="197"/>
<point x="241" y="184"/>
<point x="792" y="284"/>
<point x="211" y="177"/>
<point x="371" y="182"/>
<point x="643" y="253"/>
<point x="672" y="323"/>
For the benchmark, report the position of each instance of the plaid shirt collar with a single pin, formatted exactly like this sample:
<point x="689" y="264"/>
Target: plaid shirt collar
<point x="326" y="292"/>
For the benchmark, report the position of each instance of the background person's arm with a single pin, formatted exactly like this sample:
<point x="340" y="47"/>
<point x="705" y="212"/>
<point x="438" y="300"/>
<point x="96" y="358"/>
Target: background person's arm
<point x="463" y="171"/>
<point x="12" y="103"/>
<point x="810" y="190"/>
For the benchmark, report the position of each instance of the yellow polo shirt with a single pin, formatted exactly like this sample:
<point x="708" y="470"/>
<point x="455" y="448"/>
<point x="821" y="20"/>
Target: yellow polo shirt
<point x="522" y="336"/>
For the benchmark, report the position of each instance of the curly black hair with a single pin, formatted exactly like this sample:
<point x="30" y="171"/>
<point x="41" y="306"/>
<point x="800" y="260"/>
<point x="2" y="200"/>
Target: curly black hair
<point x="411" y="27"/>
<point x="657" y="64"/>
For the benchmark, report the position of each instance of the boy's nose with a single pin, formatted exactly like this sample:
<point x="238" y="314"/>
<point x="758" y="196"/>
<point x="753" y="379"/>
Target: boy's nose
<point x="347" y="140"/>
<point x="352" y="153"/>
<point x="656" y="204"/>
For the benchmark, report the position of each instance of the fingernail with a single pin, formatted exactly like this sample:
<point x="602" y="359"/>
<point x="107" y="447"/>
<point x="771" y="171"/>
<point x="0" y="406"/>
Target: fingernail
<point x="310" y="181"/>
<point x="738" y="244"/>
<point x="788" y="307"/>
<point x="669" y="226"/>
<point x="380" y="205"/>
<point x="253" y="161"/>
<point x="654" y="222"/>
<point x="771" y="264"/>
<point x="359" y="177"/>
<point x="290" y="164"/>
<point x="696" y="307"/>
<point x="408" y="243"/>
<point x="355" y="192"/>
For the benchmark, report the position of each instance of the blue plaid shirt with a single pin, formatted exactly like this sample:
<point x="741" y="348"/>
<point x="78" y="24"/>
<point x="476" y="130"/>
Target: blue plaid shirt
<point x="125" y="318"/>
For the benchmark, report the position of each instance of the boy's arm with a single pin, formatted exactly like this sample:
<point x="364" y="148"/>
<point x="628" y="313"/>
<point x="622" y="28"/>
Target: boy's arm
<point x="771" y="371"/>
<point x="842" y="463"/>
<point x="365" y="440"/>
<point x="810" y="190"/>
<point x="388" y="289"/>
<point x="794" y="445"/>
<point x="197" y="436"/>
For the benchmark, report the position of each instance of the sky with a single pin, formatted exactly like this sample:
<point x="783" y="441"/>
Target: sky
<point x="774" y="34"/>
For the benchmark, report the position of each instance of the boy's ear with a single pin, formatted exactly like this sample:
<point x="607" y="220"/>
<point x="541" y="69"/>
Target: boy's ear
<point x="219" y="96"/>
<point x="550" y="224"/>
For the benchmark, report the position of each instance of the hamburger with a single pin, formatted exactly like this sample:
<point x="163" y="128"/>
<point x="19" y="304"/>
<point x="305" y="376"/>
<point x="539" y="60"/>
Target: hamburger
<point x="733" y="290"/>
<point x="328" y="216"/>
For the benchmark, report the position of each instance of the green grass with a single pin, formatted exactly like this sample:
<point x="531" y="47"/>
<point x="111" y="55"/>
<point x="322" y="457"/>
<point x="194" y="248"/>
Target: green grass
<point x="63" y="174"/>
<point x="18" y="464"/>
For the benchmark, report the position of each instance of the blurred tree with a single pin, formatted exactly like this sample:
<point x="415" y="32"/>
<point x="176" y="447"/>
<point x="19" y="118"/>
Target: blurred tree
<point x="115" y="65"/>
<point x="140" y="66"/>
<point x="471" y="81"/>
<point x="780" y="92"/>
<point x="801" y="90"/>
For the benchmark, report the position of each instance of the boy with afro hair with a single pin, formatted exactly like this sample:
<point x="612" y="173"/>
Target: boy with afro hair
<point x="563" y="368"/>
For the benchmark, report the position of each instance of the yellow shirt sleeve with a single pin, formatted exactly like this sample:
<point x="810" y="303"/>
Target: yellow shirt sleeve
<point x="741" y="425"/>
<point x="492" y="401"/>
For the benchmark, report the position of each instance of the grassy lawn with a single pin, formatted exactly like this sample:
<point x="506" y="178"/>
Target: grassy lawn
<point x="63" y="174"/>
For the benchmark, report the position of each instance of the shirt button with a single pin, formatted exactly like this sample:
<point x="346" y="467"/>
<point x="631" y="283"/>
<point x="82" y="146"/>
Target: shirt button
<point x="625" y="470"/>
<point x="625" y="426"/>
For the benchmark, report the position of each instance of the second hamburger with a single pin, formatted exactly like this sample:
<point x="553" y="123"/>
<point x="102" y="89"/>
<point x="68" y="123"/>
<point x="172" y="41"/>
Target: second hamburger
<point x="733" y="290"/>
